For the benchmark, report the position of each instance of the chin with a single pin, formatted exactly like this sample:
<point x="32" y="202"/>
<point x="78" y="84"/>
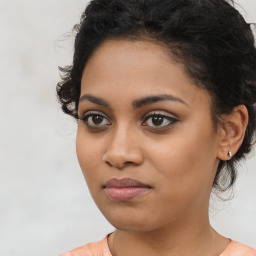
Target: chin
<point x="128" y="221"/>
<point x="131" y="226"/>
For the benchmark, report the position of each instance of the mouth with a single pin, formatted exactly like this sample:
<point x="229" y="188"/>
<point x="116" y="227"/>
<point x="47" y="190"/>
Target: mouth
<point x="126" y="189"/>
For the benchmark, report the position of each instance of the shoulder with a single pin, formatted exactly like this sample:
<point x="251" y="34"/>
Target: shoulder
<point x="92" y="249"/>
<point x="238" y="249"/>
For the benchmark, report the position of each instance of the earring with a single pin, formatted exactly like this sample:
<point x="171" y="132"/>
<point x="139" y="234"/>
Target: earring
<point x="230" y="154"/>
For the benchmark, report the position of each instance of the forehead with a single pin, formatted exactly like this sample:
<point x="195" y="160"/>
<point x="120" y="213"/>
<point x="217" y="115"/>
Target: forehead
<point x="132" y="69"/>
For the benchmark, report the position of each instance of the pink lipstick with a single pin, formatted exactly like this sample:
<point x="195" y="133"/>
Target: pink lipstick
<point x="126" y="189"/>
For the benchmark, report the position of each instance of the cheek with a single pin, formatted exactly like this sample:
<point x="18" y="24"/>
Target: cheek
<point x="185" y="161"/>
<point x="89" y="154"/>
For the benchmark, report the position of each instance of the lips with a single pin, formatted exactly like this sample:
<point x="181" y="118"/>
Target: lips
<point x="125" y="189"/>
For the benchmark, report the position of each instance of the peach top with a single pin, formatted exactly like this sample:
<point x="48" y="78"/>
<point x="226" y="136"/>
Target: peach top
<point x="101" y="249"/>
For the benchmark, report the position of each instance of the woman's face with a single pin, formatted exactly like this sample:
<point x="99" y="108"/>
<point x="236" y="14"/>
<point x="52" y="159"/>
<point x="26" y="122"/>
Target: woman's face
<point x="144" y="119"/>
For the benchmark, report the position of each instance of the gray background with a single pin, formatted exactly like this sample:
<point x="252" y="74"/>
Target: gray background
<point x="45" y="207"/>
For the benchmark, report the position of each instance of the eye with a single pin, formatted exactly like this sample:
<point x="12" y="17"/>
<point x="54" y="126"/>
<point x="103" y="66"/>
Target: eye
<point x="158" y="120"/>
<point x="95" y="119"/>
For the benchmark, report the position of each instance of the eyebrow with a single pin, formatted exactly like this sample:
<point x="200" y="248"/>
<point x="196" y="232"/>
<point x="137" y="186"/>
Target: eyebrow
<point x="156" y="98"/>
<point x="95" y="100"/>
<point x="136" y="103"/>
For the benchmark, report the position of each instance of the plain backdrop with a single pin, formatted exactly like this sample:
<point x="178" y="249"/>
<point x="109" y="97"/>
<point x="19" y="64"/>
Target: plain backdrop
<point x="45" y="207"/>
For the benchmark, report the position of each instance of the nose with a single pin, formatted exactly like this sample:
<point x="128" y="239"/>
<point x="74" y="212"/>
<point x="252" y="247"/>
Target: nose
<point x="123" y="149"/>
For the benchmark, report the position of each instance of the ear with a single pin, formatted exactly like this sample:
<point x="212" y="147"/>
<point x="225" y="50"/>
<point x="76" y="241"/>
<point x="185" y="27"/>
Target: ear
<point x="231" y="133"/>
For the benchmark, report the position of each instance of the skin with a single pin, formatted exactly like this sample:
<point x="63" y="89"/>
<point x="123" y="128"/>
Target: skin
<point x="178" y="159"/>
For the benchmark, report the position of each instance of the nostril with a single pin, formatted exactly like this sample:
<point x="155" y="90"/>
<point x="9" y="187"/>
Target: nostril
<point x="108" y="163"/>
<point x="119" y="165"/>
<point x="128" y="162"/>
<point x="121" y="157"/>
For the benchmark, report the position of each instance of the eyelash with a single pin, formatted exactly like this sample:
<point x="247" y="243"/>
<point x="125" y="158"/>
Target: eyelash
<point x="92" y="114"/>
<point x="170" y="120"/>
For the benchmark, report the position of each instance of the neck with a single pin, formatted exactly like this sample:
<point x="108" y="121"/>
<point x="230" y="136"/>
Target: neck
<point x="195" y="237"/>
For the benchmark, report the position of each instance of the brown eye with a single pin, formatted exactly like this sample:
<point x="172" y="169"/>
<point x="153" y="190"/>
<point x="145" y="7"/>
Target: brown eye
<point x="95" y="120"/>
<point x="159" y="121"/>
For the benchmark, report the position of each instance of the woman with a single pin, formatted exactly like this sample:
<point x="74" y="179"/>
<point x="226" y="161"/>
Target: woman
<point x="164" y="92"/>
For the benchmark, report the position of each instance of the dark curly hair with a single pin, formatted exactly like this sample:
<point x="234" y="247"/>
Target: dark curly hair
<point x="210" y="38"/>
